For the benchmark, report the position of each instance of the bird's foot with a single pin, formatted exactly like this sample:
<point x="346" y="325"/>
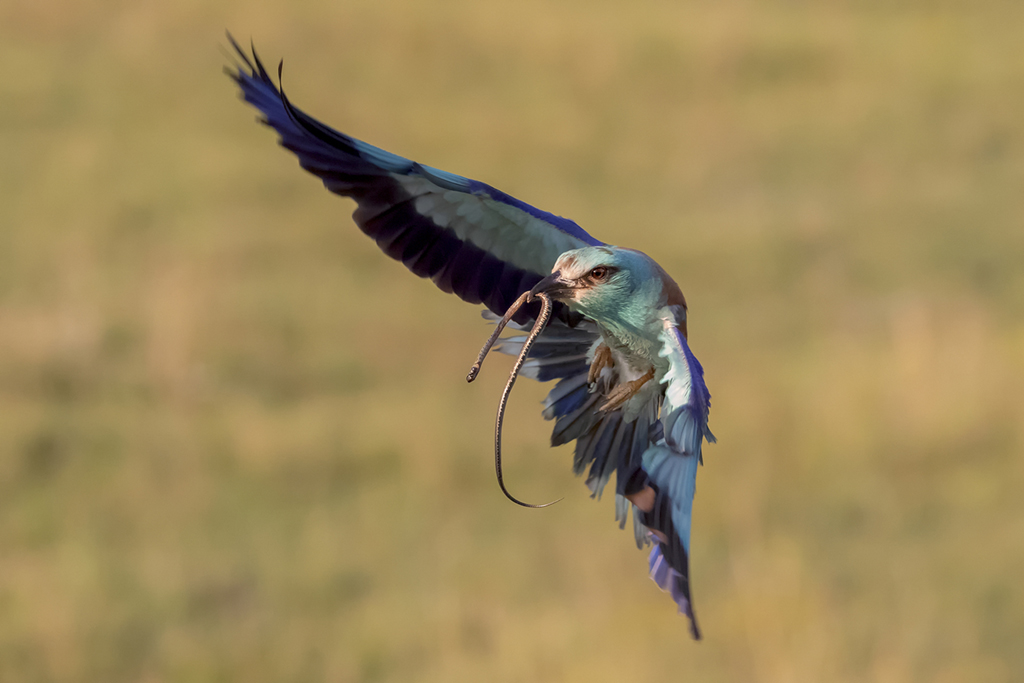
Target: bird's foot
<point x="602" y="359"/>
<point x="624" y="392"/>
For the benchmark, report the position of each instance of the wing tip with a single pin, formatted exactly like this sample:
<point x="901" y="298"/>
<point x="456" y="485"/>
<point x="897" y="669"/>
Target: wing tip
<point x="676" y="585"/>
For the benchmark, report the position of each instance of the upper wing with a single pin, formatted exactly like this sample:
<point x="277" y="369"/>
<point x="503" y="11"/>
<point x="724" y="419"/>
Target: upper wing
<point x="466" y="236"/>
<point x="671" y="463"/>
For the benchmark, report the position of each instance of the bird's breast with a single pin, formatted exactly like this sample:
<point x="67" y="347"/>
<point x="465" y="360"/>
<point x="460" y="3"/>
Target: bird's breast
<point x="633" y="354"/>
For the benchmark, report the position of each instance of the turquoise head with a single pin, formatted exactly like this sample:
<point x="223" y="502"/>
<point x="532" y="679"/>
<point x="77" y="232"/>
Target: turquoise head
<point x="613" y="286"/>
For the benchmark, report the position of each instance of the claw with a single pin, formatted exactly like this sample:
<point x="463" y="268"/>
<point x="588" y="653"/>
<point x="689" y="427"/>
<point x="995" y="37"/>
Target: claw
<point x="602" y="359"/>
<point x="626" y="391"/>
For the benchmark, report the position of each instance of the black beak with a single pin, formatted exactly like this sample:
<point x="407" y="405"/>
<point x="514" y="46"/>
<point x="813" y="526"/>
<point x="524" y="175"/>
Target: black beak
<point x="553" y="285"/>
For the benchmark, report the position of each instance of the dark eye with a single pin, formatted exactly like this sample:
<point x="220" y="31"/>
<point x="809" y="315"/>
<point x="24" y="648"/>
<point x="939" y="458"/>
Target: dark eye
<point x="599" y="273"/>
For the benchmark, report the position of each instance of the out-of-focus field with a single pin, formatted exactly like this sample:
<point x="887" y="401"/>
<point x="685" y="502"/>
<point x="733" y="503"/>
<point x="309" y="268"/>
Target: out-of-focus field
<point x="235" y="440"/>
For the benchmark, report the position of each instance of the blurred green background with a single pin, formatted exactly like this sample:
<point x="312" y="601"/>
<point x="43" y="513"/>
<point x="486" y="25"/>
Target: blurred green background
<point x="235" y="440"/>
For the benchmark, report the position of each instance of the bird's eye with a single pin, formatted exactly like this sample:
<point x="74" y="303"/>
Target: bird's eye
<point x="599" y="273"/>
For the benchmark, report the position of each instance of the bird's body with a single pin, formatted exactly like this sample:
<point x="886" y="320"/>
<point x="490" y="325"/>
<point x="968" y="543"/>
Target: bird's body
<point x="628" y="310"/>
<point x="629" y="392"/>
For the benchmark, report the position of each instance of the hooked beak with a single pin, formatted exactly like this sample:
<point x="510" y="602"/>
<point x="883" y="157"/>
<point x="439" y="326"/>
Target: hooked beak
<point x="553" y="285"/>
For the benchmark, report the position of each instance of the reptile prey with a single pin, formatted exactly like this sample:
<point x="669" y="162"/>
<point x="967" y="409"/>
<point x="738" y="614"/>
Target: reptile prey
<point x="538" y="325"/>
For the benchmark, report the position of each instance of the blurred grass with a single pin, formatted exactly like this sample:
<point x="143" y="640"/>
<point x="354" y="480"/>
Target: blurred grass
<point x="236" y="440"/>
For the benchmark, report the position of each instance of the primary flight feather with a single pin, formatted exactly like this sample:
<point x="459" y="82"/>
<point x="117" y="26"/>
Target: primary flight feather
<point x="629" y="391"/>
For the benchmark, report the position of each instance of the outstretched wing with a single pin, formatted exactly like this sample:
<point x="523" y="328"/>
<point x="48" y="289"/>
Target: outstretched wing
<point x="466" y="236"/>
<point x="671" y="463"/>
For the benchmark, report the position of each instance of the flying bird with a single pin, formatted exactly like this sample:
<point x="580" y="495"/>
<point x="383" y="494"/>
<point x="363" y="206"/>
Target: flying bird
<point x="627" y="390"/>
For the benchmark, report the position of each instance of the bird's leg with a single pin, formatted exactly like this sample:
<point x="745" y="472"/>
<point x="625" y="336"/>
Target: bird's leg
<point x="602" y="359"/>
<point x="624" y="392"/>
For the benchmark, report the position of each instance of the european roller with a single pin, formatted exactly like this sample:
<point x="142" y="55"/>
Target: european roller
<point x="627" y="389"/>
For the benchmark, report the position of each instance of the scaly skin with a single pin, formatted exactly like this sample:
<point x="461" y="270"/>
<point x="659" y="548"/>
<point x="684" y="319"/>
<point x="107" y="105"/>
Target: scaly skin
<point x="626" y="391"/>
<point x="602" y="359"/>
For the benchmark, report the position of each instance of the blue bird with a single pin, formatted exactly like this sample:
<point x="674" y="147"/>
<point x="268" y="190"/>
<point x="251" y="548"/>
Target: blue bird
<point x="628" y="389"/>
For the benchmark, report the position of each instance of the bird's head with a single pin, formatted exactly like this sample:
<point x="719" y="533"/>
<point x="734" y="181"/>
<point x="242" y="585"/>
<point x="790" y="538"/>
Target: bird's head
<point x="603" y="282"/>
